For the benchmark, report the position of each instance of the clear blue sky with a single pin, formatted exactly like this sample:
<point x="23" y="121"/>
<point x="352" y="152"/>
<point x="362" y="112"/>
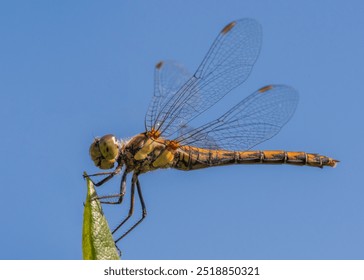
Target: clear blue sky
<point x="72" y="70"/>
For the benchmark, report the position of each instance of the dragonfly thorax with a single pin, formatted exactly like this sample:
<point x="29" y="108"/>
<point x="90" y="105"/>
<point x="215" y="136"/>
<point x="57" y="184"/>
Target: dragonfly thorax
<point x="105" y="151"/>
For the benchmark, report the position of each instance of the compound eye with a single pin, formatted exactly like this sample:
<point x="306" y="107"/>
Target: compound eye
<point x="95" y="150"/>
<point x="104" y="151"/>
<point x="109" y="147"/>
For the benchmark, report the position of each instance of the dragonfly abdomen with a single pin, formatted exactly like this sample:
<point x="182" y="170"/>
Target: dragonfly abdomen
<point x="284" y="157"/>
<point x="196" y="158"/>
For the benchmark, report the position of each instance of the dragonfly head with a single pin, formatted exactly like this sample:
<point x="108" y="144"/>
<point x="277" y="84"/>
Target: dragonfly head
<point x="105" y="151"/>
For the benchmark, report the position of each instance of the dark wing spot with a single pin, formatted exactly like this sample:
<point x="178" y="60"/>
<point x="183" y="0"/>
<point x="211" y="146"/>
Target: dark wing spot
<point x="159" y="65"/>
<point x="228" y="27"/>
<point x="266" y="88"/>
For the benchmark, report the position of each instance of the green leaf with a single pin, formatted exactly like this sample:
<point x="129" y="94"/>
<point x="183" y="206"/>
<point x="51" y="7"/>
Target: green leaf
<point x="97" y="240"/>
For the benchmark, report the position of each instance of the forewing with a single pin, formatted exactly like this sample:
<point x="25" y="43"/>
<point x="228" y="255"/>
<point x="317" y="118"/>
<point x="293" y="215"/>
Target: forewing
<point x="227" y="64"/>
<point x="255" y="119"/>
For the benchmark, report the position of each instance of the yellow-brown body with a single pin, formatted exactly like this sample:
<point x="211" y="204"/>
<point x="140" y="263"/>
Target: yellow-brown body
<point x="144" y="154"/>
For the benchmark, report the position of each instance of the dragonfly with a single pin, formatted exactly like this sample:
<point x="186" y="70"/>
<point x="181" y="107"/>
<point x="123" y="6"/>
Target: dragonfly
<point x="169" y="139"/>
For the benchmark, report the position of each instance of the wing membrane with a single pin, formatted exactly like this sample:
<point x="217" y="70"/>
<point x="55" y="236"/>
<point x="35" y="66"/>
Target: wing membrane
<point x="169" y="77"/>
<point x="227" y="64"/>
<point x="255" y="119"/>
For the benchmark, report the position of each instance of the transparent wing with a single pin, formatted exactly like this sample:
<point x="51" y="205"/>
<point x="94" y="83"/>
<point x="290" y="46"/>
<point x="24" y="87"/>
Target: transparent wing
<point x="227" y="64"/>
<point x="169" y="76"/>
<point x="187" y="132"/>
<point x="255" y="119"/>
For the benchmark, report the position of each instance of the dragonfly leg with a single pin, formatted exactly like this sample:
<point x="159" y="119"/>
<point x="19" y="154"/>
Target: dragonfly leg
<point x="107" y="178"/>
<point x="119" y="195"/>
<point x="131" y="209"/>
<point x="97" y="174"/>
<point x="144" y="209"/>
